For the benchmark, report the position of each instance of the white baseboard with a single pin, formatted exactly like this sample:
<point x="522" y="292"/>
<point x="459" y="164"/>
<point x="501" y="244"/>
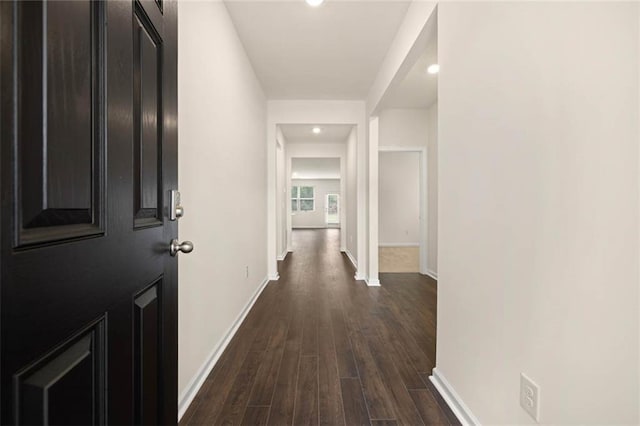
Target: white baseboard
<point x="351" y="258"/>
<point x="373" y="283"/>
<point x="187" y="396"/>
<point x="432" y="274"/>
<point x="283" y="255"/>
<point x="274" y="277"/>
<point x="309" y="227"/>
<point x="453" y="400"/>
<point x="398" y="244"/>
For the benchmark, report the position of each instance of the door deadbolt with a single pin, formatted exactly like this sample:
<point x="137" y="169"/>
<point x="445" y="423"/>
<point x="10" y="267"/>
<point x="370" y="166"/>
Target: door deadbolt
<point x="176" y="211"/>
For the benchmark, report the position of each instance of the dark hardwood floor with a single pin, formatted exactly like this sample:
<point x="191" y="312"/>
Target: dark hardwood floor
<point x="320" y="348"/>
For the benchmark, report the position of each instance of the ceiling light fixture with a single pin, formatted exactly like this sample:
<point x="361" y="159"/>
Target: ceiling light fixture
<point x="316" y="130"/>
<point x="433" y="69"/>
<point x="314" y="3"/>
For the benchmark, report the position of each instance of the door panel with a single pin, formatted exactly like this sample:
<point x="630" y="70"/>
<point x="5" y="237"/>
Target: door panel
<point x="147" y="340"/>
<point x="148" y="113"/>
<point x="74" y="371"/>
<point x="59" y="51"/>
<point x="88" y="290"/>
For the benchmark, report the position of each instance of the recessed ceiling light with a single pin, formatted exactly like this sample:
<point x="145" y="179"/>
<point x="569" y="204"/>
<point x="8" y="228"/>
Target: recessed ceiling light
<point x="316" y="130"/>
<point x="433" y="69"/>
<point x="314" y="3"/>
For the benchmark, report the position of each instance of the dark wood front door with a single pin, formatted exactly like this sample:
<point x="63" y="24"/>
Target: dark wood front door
<point x="88" y="302"/>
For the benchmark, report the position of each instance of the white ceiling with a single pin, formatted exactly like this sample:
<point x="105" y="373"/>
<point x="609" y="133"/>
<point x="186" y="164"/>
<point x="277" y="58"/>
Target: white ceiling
<point x="418" y="89"/>
<point x="315" y="168"/>
<point x="330" y="52"/>
<point x="302" y="133"/>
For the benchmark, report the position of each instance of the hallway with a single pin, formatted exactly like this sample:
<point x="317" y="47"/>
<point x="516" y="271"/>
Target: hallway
<point x="320" y="348"/>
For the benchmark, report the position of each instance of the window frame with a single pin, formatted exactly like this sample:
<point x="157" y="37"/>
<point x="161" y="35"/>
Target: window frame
<point x="298" y="198"/>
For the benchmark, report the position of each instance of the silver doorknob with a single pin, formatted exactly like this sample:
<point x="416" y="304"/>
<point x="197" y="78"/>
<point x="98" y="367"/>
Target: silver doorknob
<point x="176" y="246"/>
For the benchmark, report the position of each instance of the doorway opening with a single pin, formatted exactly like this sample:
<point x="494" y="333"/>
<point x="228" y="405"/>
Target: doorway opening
<point x="315" y="182"/>
<point x="332" y="210"/>
<point x="402" y="194"/>
<point x="406" y="126"/>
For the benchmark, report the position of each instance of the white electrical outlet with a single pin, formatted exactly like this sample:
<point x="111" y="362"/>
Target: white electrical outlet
<point x="530" y="397"/>
<point x="247" y="271"/>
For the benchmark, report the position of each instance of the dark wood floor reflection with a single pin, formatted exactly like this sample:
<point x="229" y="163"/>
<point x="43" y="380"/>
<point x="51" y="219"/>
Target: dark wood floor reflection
<point x="321" y="348"/>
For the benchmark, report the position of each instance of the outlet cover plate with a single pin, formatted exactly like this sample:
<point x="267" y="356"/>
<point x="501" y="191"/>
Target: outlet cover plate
<point x="530" y="397"/>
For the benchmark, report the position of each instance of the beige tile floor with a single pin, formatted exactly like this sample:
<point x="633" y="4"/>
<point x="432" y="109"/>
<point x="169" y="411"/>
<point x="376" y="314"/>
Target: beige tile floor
<point x="399" y="259"/>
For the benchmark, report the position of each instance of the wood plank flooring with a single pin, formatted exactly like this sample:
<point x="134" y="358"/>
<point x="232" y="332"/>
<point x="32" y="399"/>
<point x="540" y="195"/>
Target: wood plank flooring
<point x="319" y="348"/>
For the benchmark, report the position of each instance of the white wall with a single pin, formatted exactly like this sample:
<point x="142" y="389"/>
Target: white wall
<point x="399" y="198"/>
<point x="351" y="198"/>
<point x="538" y="219"/>
<point x="404" y="127"/>
<point x="316" y="168"/>
<point x="432" y="189"/>
<point x="317" y="217"/>
<point x="221" y="105"/>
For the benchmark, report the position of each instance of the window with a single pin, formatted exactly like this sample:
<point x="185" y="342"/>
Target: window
<point x="302" y="199"/>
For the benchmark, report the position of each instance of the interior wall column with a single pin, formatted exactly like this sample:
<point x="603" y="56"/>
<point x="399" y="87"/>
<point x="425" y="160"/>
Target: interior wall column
<point x="372" y="278"/>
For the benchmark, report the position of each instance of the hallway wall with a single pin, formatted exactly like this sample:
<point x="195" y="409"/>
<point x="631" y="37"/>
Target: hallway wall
<point x="399" y="199"/>
<point x="539" y="255"/>
<point x="404" y="127"/>
<point x="222" y="116"/>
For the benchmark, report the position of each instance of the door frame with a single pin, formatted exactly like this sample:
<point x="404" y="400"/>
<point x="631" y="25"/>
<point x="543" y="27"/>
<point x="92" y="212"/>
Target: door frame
<point x="343" y="188"/>
<point x="326" y="212"/>
<point x="424" y="201"/>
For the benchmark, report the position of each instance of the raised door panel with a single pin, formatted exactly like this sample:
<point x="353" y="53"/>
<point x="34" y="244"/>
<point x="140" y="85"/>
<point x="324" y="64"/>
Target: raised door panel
<point x="147" y="67"/>
<point x="60" y="110"/>
<point x="65" y="386"/>
<point x="147" y="360"/>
